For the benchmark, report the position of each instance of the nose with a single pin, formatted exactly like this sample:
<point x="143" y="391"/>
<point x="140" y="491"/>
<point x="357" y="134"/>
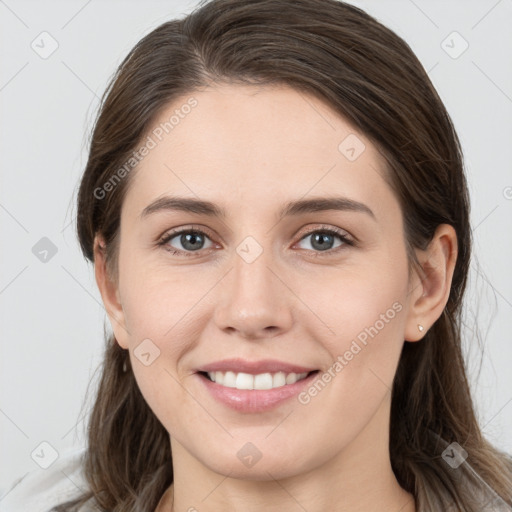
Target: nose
<point x="255" y="301"/>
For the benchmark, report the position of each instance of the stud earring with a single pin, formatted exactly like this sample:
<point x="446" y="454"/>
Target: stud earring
<point x="420" y="327"/>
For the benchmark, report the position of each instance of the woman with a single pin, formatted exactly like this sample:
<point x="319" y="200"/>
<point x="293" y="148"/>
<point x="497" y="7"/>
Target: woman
<point x="308" y="356"/>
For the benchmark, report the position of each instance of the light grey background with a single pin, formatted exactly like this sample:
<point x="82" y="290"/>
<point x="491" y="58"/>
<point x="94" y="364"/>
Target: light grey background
<point x="51" y="316"/>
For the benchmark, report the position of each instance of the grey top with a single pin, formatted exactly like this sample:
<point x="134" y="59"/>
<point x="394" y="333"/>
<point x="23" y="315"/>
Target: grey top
<point x="42" y="489"/>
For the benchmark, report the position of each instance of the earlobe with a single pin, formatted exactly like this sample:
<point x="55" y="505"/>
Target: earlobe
<point x="431" y="287"/>
<point x="109" y="291"/>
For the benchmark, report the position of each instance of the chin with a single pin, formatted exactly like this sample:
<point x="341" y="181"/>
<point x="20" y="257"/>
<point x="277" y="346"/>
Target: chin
<point x="247" y="462"/>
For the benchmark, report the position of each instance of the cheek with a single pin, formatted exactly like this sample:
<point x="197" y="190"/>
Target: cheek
<point x="156" y="299"/>
<point x="165" y="312"/>
<point x="364" y="353"/>
<point x="362" y="320"/>
<point x="362" y="303"/>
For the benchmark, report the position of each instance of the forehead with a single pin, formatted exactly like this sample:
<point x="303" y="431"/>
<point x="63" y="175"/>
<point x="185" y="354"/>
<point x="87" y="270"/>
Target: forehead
<point x="250" y="146"/>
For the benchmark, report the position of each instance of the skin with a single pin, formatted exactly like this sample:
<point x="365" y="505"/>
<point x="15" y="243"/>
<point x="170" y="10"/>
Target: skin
<point x="250" y="150"/>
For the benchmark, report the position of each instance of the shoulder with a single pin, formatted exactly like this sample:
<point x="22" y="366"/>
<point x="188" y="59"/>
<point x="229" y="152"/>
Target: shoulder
<point x="41" y="489"/>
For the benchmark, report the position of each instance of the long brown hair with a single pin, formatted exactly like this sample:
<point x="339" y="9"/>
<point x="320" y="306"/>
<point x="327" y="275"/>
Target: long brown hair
<point x="371" y="77"/>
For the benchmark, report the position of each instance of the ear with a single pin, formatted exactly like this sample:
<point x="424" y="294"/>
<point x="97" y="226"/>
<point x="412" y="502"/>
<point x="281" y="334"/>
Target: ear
<point x="109" y="291"/>
<point x="431" y="284"/>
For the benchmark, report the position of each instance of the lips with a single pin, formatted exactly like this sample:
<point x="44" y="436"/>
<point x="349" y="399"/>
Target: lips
<point x="254" y="386"/>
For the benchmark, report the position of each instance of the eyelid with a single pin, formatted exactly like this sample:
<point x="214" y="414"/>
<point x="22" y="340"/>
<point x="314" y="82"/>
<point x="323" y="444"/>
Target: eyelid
<point x="187" y="228"/>
<point x="343" y="233"/>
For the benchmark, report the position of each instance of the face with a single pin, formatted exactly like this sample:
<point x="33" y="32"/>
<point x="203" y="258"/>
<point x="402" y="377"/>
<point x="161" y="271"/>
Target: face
<point x="274" y="290"/>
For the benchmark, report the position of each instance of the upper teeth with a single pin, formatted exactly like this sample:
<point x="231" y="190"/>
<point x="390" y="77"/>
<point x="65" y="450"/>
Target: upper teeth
<point x="259" y="381"/>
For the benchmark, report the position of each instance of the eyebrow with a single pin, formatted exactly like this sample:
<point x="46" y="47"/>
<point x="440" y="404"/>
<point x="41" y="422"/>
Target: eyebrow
<point x="293" y="208"/>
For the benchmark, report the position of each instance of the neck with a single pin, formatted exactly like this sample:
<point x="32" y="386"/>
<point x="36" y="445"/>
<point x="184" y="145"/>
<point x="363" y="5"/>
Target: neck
<point x="359" y="479"/>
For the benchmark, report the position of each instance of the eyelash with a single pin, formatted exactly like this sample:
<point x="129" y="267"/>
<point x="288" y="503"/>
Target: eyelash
<point x="322" y="229"/>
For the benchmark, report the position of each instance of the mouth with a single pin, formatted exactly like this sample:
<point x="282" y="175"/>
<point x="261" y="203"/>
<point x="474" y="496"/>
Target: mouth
<point x="260" y="381"/>
<point x="250" y="386"/>
<point x="254" y="393"/>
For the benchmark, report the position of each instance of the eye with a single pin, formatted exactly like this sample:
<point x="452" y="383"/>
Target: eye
<point x="193" y="240"/>
<point x="322" y="240"/>
<point x="190" y="240"/>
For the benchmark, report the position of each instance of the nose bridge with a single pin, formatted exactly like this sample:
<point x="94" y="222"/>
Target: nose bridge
<point x="253" y="300"/>
<point x="251" y="277"/>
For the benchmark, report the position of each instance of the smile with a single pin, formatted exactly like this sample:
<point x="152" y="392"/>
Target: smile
<point x="260" y="381"/>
